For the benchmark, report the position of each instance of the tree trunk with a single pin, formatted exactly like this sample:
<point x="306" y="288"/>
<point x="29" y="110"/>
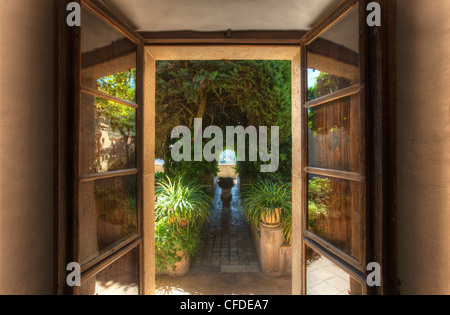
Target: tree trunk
<point x="126" y="139"/>
<point x="203" y="100"/>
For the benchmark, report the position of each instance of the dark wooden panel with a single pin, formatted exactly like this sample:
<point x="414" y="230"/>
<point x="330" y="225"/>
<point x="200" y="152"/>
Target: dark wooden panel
<point x="378" y="159"/>
<point x="323" y="25"/>
<point x="336" y="251"/>
<point x="109" y="260"/>
<point x="334" y="51"/>
<point x="105" y="14"/>
<point x="120" y="48"/>
<point x="356" y="177"/>
<point x="108" y="97"/>
<point x="93" y="177"/>
<point x="225" y="37"/>
<point x="359" y="276"/>
<point x="334" y="96"/>
<point x="381" y="108"/>
<point x="67" y="44"/>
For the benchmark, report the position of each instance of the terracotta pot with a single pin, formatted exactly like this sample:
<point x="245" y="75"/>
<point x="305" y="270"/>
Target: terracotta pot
<point x="182" y="268"/>
<point x="272" y="220"/>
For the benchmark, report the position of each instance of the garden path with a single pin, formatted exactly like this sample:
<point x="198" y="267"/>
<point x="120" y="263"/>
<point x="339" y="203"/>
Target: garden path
<point x="227" y="262"/>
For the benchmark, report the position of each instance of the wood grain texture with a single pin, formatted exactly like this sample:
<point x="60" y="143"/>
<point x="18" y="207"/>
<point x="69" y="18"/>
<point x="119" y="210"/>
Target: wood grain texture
<point x="225" y="37"/>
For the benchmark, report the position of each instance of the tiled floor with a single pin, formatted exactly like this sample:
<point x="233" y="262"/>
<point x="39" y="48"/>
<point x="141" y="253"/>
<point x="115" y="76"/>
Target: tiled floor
<point x="227" y="240"/>
<point x="227" y="263"/>
<point x="210" y="281"/>
<point x="325" y="278"/>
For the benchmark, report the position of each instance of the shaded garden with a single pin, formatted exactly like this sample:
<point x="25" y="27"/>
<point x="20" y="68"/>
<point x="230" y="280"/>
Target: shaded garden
<point x="221" y="93"/>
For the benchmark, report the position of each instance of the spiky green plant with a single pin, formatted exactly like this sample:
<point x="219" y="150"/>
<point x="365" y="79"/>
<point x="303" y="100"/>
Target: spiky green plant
<point x="286" y="225"/>
<point x="182" y="201"/>
<point x="262" y="198"/>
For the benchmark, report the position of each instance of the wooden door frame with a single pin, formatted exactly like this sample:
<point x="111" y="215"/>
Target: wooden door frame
<point x="66" y="42"/>
<point x="378" y="64"/>
<point x="214" y="52"/>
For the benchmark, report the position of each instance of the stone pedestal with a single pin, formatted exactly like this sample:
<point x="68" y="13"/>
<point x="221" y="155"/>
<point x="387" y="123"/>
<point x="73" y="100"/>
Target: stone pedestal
<point x="271" y="242"/>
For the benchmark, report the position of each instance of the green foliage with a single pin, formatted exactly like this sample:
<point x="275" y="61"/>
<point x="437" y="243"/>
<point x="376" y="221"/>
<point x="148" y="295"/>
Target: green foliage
<point x="286" y="225"/>
<point x="326" y="84"/>
<point x="180" y="208"/>
<point x="159" y="176"/>
<point x="201" y="170"/>
<point x="319" y="192"/>
<point x="128" y="211"/>
<point x="263" y="198"/>
<point x="237" y="93"/>
<point x="122" y="85"/>
<point x="121" y="118"/>
<point x="117" y="206"/>
<point x="172" y="244"/>
<point x="249" y="171"/>
<point x="182" y="201"/>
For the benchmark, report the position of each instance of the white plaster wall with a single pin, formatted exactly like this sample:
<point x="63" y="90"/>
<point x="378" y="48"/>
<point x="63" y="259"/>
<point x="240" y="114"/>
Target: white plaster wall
<point x="26" y="138"/>
<point x="219" y="15"/>
<point x="424" y="146"/>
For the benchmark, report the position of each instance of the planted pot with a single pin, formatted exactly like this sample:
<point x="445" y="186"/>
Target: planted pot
<point x="266" y="203"/>
<point x="181" y="268"/>
<point x="226" y="184"/>
<point x="271" y="218"/>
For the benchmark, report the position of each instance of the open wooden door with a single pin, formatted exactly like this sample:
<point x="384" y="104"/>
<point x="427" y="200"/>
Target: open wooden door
<point x="343" y="153"/>
<point x="99" y="177"/>
<point x="347" y="173"/>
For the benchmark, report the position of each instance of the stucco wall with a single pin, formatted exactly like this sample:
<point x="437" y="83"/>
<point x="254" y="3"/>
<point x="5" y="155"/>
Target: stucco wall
<point x="26" y="107"/>
<point x="227" y="171"/>
<point x="26" y="137"/>
<point x="424" y="146"/>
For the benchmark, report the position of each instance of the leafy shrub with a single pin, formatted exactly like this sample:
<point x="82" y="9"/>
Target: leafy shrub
<point x="172" y="244"/>
<point x="263" y="197"/>
<point x="250" y="171"/>
<point x="319" y="192"/>
<point x="181" y="205"/>
<point x="182" y="201"/>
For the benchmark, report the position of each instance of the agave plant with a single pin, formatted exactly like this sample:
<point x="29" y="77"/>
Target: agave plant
<point x="264" y="200"/>
<point x="182" y="202"/>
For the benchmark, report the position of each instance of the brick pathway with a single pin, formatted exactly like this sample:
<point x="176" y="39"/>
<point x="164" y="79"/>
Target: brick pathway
<point x="227" y="242"/>
<point x="227" y="262"/>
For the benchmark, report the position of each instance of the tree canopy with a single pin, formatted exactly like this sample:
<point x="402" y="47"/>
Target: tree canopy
<point x="223" y="93"/>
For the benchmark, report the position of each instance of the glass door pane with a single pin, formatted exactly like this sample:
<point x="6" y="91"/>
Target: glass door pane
<point x="333" y="58"/>
<point x="324" y="277"/>
<point x="119" y="278"/>
<point x="334" y="178"/>
<point x="109" y="207"/>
